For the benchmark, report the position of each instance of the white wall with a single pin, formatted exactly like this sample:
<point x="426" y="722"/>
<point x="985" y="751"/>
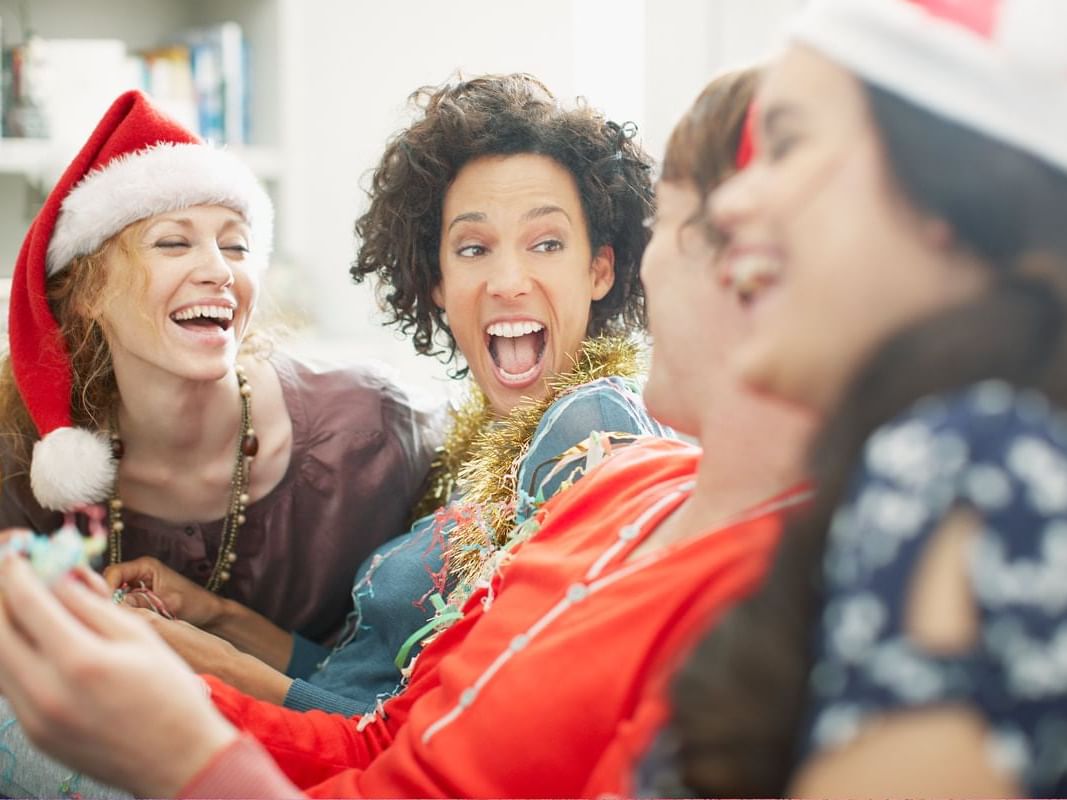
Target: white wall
<point x="353" y="64"/>
<point x="346" y="68"/>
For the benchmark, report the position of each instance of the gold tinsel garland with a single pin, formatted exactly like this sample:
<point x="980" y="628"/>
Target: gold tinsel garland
<point x="481" y="456"/>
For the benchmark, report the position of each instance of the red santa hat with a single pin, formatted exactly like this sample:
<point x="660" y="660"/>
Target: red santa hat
<point x="137" y="163"/>
<point x="997" y="66"/>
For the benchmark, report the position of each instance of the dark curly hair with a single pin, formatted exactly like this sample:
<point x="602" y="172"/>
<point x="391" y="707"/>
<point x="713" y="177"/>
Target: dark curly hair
<point x="496" y="115"/>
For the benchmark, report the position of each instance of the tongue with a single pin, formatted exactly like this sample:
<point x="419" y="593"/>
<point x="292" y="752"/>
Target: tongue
<point x="199" y="322"/>
<point x="519" y="354"/>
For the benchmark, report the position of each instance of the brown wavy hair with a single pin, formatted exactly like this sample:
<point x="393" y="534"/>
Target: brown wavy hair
<point x="702" y="148"/>
<point x="496" y="115"/>
<point x="74" y="295"/>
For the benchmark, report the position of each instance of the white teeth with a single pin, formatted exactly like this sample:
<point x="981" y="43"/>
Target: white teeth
<point x="209" y="312"/>
<point x="510" y="330"/>
<point x="751" y="273"/>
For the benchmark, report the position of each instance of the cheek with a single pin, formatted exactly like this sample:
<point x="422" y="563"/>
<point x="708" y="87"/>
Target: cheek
<point x="251" y="285"/>
<point x="460" y="305"/>
<point x="573" y="295"/>
<point x="651" y="263"/>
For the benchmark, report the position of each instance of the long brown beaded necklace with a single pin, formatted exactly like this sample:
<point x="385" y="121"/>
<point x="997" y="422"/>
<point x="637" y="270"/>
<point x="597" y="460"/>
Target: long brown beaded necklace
<point x="247" y="447"/>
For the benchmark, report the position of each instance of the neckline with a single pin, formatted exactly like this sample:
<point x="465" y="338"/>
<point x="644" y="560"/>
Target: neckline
<point x="259" y="507"/>
<point x="631" y="535"/>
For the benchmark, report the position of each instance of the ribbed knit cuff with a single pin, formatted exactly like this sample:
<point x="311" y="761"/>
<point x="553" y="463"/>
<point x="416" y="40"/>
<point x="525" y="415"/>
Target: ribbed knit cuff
<point x="304" y="696"/>
<point x="242" y="769"/>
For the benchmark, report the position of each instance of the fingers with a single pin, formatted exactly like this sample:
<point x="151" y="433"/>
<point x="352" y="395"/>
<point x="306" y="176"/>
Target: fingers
<point x="92" y="580"/>
<point x="140" y="569"/>
<point x="36" y="612"/>
<point x="17" y="653"/>
<point x="95" y="612"/>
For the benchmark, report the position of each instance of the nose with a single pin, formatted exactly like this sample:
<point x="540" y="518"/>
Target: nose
<point x="509" y="278"/>
<point x="214" y="268"/>
<point x="734" y="201"/>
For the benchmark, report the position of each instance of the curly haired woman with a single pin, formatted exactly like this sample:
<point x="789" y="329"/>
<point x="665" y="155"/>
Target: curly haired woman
<point x="506" y="230"/>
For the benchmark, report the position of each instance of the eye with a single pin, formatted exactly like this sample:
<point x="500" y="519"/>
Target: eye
<point x="472" y="250"/>
<point x="548" y="246"/>
<point x="170" y="243"/>
<point x="239" y="249"/>
<point x="778" y="147"/>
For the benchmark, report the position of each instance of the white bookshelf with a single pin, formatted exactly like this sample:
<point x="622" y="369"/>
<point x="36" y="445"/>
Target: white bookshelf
<point x="28" y="158"/>
<point x="27" y="166"/>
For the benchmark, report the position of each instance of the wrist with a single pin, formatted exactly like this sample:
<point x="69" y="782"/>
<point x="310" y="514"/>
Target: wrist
<point x="256" y="678"/>
<point x="221" y="614"/>
<point x="205" y="748"/>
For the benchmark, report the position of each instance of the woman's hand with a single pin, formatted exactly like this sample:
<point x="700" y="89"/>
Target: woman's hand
<point x="207" y="653"/>
<point x="202" y="651"/>
<point x="184" y="599"/>
<point x="248" y="631"/>
<point x="93" y="685"/>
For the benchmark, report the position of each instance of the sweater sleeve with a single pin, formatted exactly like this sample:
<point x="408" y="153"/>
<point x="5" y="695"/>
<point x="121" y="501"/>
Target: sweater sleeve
<point x="306" y="657"/>
<point x="309" y="746"/>
<point x="331" y="752"/>
<point x="304" y="696"/>
<point x="243" y="769"/>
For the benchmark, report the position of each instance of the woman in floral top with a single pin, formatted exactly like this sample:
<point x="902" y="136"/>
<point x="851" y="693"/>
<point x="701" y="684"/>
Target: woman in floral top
<point x="912" y="638"/>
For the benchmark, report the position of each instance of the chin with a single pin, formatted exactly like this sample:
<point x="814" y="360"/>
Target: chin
<point x="657" y="402"/>
<point x="672" y="417"/>
<point x="205" y="370"/>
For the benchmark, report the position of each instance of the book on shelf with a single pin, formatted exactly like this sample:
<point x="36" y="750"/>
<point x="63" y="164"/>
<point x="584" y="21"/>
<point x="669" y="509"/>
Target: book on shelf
<point x="219" y="58"/>
<point x="53" y="88"/>
<point x="166" y="74"/>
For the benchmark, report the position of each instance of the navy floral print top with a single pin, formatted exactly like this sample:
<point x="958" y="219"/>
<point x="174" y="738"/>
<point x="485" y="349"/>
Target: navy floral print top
<point x="1001" y="454"/>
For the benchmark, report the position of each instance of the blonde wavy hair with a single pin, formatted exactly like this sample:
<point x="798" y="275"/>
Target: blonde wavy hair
<point x="77" y="296"/>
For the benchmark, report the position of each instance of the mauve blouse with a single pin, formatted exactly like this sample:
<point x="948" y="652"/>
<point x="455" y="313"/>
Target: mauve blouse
<point x="359" y="457"/>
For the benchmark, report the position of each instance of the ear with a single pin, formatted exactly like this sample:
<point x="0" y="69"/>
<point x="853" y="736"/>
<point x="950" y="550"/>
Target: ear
<point x="602" y="271"/>
<point x="438" y="296"/>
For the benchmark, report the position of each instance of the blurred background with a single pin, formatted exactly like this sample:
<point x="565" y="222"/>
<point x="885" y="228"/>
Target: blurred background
<point x="307" y="91"/>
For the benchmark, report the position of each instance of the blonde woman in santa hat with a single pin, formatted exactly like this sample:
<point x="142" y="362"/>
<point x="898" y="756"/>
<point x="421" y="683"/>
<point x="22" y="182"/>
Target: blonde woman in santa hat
<point x="911" y="185"/>
<point x="256" y="475"/>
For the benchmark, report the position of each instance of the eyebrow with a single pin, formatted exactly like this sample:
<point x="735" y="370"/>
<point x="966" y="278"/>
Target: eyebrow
<point x="468" y="216"/>
<point x="533" y="213"/>
<point x="779" y="114"/>
<point x="544" y="211"/>
<point x="187" y="222"/>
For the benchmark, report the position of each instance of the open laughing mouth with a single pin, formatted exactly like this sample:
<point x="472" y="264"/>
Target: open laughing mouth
<point x="752" y="274"/>
<point x="203" y="318"/>
<point x="517" y="349"/>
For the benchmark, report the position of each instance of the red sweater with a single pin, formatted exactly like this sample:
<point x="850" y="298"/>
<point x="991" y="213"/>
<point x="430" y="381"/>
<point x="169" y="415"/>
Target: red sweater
<point x="549" y="684"/>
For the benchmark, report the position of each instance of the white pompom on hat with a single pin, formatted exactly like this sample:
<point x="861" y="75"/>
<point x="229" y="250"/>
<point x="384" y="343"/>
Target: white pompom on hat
<point x="997" y="66"/>
<point x="137" y="163"/>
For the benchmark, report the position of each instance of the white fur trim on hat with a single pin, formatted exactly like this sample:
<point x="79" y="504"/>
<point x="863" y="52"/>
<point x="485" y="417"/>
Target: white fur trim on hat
<point x="161" y="178"/>
<point x="72" y="467"/>
<point x="1011" y="86"/>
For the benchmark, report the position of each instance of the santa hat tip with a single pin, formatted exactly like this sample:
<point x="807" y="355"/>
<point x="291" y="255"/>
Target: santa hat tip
<point x="71" y="468"/>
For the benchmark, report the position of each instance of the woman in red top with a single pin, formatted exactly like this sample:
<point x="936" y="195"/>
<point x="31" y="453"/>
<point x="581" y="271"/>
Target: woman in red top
<point x="533" y="688"/>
